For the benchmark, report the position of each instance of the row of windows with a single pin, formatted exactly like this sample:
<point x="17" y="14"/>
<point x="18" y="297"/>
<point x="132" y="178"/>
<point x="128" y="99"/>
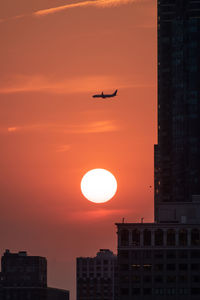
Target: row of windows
<point x="92" y="269"/>
<point x="160" y="267"/>
<point x="160" y="291"/>
<point x="91" y="293"/>
<point x="183" y="237"/>
<point x="161" y="279"/>
<point x="92" y="261"/>
<point x="159" y="254"/>
<point x="91" y="275"/>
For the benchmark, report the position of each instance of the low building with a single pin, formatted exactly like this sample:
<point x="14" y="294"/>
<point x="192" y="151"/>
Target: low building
<point x="33" y="293"/>
<point x="96" y="276"/>
<point x="21" y="270"/>
<point x="24" y="277"/>
<point x="158" y="261"/>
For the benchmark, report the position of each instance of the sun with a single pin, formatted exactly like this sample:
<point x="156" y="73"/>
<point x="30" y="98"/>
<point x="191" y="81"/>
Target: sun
<point x="98" y="185"/>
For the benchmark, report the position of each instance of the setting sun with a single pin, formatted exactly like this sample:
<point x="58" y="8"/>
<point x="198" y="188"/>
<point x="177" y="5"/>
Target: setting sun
<point x="98" y="185"/>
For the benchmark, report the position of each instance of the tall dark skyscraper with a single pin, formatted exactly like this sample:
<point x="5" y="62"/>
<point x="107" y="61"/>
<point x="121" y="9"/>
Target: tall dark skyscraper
<point x="177" y="155"/>
<point x="161" y="260"/>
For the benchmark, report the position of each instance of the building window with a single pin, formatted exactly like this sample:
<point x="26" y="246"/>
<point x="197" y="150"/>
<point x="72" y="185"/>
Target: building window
<point x="124" y="291"/>
<point x="183" y="237"/>
<point x="135" y="267"/>
<point x="183" y="254"/>
<point x="195" y="254"/>
<point x="195" y="238"/>
<point x="183" y="267"/>
<point x="159" y="291"/>
<point x="147" y="254"/>
<point x="147" y="267"/>
<point x="135" y="291"/>
<point x="183" y="291"/>
<point x="136" y="279"/>
<point x="196" y="279"/>
<point x="159" y="254"/>
<point x="159" y="267"/>
<point x="195" y="267"/>
<point x="147" y="279"/>
<point x="183" y="279"/>
<point x="136" y="237"/>
<point x="124" y="279"/>
<point x="123" y="254"/>
<point x="124" y="237"/>
<point x="147" y="237"/>
<point x="195" y="291"/>
<point x="124" y="267"/>
<point x="136" y="254"/>
<point x="171" y="279"/>
<point x="171" y="291"/>
<point x="171" y="254"/>
<point x="170" y="237"/>
<point x="147" y="291"/>
<point x="158" y="279"/>
<point x="171" y="267"/>
<point x="159" y="237"/>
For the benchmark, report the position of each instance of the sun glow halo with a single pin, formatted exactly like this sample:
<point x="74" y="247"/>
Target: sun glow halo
<point x="98" y="185"/>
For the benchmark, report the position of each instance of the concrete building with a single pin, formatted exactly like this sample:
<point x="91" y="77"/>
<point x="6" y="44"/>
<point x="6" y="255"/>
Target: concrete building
<point x="24" y="277"/>
<point x="158" y="261"/>
<point x="96" y="276"/>
<point x="161" y="260"/>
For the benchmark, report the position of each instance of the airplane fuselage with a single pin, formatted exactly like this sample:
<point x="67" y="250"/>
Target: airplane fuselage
<point x="102" y="95"/>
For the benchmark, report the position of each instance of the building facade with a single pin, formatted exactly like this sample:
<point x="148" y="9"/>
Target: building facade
<point x="21" y="270"/>
<point x="161" y="260"/>
<point x="177" y="166"/>
<point x="96" y="276"/>
<point x="158" y="261"/>
<point x="24" y="277"/>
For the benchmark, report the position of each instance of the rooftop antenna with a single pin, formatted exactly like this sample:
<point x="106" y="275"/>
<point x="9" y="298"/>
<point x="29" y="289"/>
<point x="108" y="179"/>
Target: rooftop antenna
<point x="142" y="219"/>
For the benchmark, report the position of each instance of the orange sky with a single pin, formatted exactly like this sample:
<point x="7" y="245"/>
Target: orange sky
<point x="54" y="55"/>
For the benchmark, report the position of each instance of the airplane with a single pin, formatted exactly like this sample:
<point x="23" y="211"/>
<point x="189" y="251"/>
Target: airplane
<point x="102" y="95"/>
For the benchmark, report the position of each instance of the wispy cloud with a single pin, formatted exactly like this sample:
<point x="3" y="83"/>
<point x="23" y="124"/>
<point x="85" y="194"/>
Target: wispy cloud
<point x="95" y="127"/>
<point x="12" y="129"/>
<point x="97" y="214"/>
<point x="87" y="3"/>
<point x="97" y="3"/>
<point x="88" y="128"/>
<point x="38" y="83"/>
<point x="63" y="148"/>
<point x="87" y="84"/>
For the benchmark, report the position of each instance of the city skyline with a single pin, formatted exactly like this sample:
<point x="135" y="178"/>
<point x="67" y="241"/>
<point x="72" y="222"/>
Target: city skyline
<point x="53" y="131"/>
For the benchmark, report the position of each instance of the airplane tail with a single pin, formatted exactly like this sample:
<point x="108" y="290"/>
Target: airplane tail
<point x="115" y="93"/>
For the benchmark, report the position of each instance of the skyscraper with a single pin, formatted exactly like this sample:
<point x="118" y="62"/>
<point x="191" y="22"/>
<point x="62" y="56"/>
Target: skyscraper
<point x="177" y="166"/>
<point x="161" y="260"/>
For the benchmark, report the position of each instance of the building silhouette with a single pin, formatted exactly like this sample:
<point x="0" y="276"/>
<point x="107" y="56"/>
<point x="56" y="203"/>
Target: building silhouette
<point x="161" y="260"/>
<point x="177" y="155"/>
<point x="19" y="269"/>
<point x="96" y="276"/>
<point x="24" y="277"/>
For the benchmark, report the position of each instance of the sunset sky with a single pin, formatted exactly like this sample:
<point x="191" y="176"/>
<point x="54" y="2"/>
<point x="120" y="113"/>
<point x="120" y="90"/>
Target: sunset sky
<point x="55" y="54"/>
